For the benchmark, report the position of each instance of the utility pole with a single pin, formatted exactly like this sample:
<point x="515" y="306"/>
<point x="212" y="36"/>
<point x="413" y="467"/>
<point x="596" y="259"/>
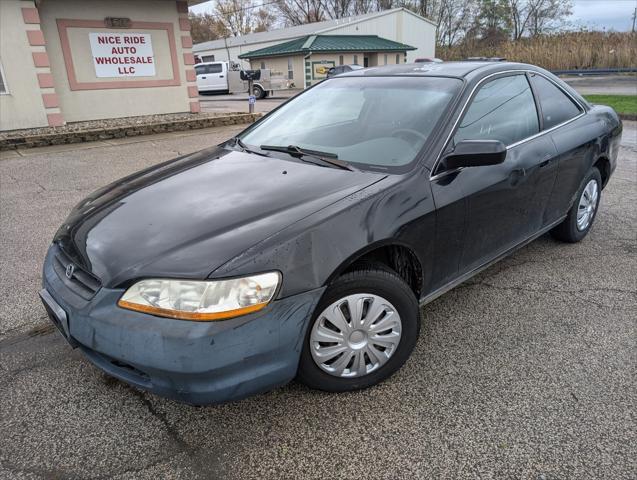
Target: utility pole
<point x="634" y="18"/>
<point x="225" y="41"/>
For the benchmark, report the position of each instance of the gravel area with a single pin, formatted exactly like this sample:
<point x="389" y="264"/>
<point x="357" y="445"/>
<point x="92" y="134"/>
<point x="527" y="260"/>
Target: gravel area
<point x="92" y="125"/>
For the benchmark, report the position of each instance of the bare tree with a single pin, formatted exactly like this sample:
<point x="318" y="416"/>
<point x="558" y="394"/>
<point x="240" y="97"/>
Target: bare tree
<point x="548" y="15"/>
<point x="299" y="12"/>
<point x="264" y="19"/>
<point x="454" y="18"/>
<point x="337" y="8"/>
<point x="535" y="17"/>
<point x="205" y="27"/>
<point x="236" y="15"/>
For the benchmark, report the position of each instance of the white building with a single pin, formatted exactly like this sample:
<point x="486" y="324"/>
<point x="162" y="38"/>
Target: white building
<point x="398" y="24"/>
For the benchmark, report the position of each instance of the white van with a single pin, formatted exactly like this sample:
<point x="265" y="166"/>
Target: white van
<point x="218" y="77"/>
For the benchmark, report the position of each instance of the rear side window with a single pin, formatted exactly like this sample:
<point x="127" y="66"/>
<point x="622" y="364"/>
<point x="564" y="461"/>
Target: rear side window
<point x="503" y="109"/>
<point x="556" y="106"/>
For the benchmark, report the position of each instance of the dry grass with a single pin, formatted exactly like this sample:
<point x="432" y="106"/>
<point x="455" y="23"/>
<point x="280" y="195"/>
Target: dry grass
<point x="564" y="51"/>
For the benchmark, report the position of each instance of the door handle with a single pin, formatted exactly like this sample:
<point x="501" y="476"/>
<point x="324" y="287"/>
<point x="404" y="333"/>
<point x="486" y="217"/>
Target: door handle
<point x="220" y="76"/>
<point x="203" y="78"/>
<point x="516" y="176"/>
<point x="548" y="158"/>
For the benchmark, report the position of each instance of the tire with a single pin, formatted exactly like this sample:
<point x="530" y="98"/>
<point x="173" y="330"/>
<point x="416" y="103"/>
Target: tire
<point x="375" y="289"/>
<point x="258" y="92"/>
<point x="570" y="230"/>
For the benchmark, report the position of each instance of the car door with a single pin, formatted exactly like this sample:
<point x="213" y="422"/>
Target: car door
<point x="207" y="76"/>
<point x="202" y="78"/>
<point x="558" y="110"/>
<point x="484" y="211"/>
<point x="217" y="76"/>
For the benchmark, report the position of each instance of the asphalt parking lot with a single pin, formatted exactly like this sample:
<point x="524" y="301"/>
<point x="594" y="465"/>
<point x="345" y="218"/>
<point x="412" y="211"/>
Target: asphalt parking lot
<point x="526" y="371"/>
<point x="212" y="102"/>
<point x="604" y="84"/>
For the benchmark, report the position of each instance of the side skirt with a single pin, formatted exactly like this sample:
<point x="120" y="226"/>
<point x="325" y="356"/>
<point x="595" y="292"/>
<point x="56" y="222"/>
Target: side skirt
<point x="466" y="276"/>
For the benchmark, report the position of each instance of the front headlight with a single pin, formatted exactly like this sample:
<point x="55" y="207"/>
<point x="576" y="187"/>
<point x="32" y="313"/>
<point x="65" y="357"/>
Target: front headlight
<point x="201" y="300"/>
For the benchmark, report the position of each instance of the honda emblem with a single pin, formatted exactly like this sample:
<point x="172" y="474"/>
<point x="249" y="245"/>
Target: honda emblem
<point x="70" y="268"/>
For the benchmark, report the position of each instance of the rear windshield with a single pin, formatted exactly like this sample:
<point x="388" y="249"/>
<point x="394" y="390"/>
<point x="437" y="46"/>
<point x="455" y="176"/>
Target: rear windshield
<point x="378" y="122"/>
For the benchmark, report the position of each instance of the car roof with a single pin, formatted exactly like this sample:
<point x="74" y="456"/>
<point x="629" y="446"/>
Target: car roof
<point x="444" y="69"/>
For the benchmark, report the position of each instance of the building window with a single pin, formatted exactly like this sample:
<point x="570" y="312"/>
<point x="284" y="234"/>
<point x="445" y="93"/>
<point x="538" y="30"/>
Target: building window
<point x="340" y="59"/>
<point x="290" y="69"/>
<point x="398" y="59"/>
<point x="262" y="65"/>
<point x="208" y="58"/>
<point x="3" y="85"/>
<point x="355" y="59"/>
<point x="385" y="59"/>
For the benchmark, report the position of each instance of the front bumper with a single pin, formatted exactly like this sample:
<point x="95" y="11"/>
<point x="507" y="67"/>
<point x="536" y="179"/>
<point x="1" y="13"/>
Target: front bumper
<point x="193" y="362"/>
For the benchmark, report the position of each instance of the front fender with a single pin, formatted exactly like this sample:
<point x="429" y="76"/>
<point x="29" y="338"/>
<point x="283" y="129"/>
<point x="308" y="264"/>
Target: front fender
<point x="396" y="210"/>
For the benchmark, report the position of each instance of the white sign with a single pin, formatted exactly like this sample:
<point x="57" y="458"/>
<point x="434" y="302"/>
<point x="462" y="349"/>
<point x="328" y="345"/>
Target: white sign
<point x="122" y="54"/>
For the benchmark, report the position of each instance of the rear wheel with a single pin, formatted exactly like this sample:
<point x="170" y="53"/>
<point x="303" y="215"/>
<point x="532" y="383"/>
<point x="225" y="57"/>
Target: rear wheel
<point x="582" y="214"/>
<point x="362" y="331"/>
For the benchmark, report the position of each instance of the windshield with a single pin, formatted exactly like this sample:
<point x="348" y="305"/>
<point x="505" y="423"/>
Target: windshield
<point x="380" y="122"/>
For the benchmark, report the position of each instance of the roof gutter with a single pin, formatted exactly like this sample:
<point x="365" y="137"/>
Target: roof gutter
<point x="347" y="50"/>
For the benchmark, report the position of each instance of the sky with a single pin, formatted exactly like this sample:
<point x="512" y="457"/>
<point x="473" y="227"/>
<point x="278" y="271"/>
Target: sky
<point x="607" y="14"/>
<point x="594" y="14"/>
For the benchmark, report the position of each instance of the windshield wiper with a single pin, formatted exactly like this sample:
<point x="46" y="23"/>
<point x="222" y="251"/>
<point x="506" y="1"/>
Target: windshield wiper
<point x="298" y="152"/>
<point x="245" y="148"/>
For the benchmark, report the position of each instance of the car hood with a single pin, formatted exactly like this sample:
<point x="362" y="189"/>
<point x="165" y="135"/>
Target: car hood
<point x="186" y="217"/>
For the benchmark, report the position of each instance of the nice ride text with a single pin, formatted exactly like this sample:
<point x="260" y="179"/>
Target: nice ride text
<point x="123" y="46"/>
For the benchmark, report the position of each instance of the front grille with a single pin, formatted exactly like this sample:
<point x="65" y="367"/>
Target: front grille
<point x="77" y="279"/>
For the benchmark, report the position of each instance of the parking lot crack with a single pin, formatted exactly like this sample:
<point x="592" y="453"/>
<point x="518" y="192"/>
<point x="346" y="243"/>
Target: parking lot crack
<point x="171" y="431"/>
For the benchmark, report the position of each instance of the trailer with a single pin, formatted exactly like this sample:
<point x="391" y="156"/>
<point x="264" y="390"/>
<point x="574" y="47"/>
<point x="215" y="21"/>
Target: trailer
<point x="226" y="77"/>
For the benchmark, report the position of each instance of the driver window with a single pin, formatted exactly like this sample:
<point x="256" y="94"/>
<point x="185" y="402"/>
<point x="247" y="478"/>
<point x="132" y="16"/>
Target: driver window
<point x="503" y="109"/>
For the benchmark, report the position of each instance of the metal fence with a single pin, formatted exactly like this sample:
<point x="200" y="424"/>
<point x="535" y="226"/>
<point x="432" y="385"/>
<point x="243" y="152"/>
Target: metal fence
<point x="595" y="71"/>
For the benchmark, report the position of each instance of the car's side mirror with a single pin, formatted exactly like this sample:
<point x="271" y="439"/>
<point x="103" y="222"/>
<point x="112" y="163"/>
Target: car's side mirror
<point x="475" y="153"/>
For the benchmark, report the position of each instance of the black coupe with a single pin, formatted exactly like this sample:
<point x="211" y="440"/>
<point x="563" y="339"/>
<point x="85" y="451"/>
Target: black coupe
<point x="305" y="246"/>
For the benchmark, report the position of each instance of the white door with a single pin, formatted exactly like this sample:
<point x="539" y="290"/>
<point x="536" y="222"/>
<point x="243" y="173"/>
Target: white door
<point x="211" y="77"/>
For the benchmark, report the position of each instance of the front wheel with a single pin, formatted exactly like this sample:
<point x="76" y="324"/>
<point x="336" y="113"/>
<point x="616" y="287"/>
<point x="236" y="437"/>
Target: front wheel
<point x="362" y="331"/>
<point x="258" y="92"/>
<point x="580" y="217"/>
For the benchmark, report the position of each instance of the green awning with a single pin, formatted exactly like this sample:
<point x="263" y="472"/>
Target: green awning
<point x="329" y="43"/>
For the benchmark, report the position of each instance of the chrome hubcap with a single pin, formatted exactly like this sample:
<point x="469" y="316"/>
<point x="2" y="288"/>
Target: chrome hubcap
<point x="355" y="335"/>
<point x="587" y="205"/>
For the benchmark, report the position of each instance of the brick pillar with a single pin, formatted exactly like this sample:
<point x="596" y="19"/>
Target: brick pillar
<point x="31" y="19"/>
<point x="189" y="59"/>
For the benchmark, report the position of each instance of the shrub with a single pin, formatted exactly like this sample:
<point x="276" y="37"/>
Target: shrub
<point x="562" y="51"/>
